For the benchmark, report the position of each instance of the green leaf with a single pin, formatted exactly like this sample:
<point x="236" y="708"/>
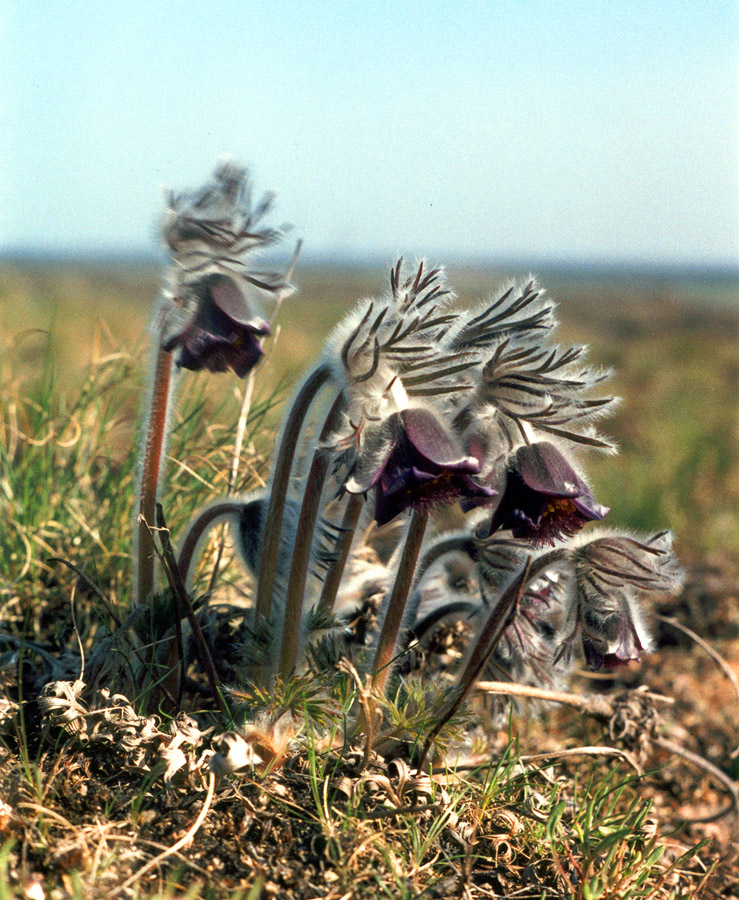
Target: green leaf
<point x="554" y="819"/>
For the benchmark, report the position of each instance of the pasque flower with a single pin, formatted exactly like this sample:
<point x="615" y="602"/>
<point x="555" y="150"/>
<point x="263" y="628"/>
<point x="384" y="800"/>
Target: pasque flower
<point x="612" y="631"/>
<point x="209" y="313"/>
<point x="212" y="302"/>
<point x="544" y="498"/>
<point x="223" y="333"/>
<point x="422" y="466"/>
<point x="610" y="571"/>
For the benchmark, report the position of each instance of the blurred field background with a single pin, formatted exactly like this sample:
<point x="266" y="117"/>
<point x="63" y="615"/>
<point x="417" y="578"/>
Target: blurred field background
<point x="671" y="336"/>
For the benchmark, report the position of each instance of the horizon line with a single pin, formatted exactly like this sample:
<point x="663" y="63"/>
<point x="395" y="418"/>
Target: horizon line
<point x="366" y="259"/>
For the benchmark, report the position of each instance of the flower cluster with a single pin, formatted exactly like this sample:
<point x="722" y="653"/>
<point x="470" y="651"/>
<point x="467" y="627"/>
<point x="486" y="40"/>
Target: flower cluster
<point x="431" y="407"/>
<point x="584" y="597"/>
<point x="444" y="404"/>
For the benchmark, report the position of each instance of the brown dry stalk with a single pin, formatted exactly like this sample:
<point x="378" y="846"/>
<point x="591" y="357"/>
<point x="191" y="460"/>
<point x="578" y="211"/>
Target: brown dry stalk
<point x="601" y="707"/>
<point x="499" y="619"/>
<point x="715" y="656"/>
<point x="156" y="845"/>
<point x="485" y="760"/>
<point x="364" y="696"/>
<point x="585" y="751"/>
<point x="179" y="591"/>
<point x="592" y="705"/>
<point x="712" y="770"/>
<point x="45" y="811"/>
<point x="182" y="842"/>
<point x="151" y="465"/>
<point x="404" y="811"/>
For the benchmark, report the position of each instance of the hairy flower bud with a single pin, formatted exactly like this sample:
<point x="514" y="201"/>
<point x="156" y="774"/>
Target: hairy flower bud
<point x="604" y="610"/>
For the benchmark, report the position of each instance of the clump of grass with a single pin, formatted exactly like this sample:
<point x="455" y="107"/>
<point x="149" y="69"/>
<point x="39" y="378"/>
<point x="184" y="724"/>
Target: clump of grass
<point x="318" y="826"/>
<point x="68" y="467"/>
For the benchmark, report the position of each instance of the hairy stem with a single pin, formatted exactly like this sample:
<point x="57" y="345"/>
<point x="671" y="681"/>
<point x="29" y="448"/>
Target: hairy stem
<point x="150" y="469"/>
<point x="441" y="548"/>
<point x="197" y="529"/>
<point x="499" y="619"/>
<point x="304" y="542"/>
<point x="398" y="599"/>
<point x="335" y="572"/>
<point x="280" y="484"/>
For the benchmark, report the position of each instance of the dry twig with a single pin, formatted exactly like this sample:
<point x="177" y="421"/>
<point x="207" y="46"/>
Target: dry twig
<point x="178" y="845"/>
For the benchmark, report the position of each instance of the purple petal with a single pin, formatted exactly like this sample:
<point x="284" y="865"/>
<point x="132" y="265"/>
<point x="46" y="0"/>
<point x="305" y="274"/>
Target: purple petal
<point x="544" y="498"/>
<point x="546" y="471"/>
<point x="227" y="297"/>
<point x="589" y="509"/>
<point x="240" y="352"/>
<point x="431" y="441"/>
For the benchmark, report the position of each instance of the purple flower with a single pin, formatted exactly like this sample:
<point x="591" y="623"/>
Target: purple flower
<point x="544" y="498"/>
<point x="613" y="635"/>
<point x="211" y="307"/>
<point x="610" y="570"/>
<point x="423" y="466"/>
<point x="221" y="334"/>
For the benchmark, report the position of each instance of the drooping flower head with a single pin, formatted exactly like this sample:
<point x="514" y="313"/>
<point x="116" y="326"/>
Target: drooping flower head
<point x="220" y="335"/>
<point x="544" y="498"/>
<point x="613" y="634"/>
<point x="421" y="466"/>
<point x="610" y="572"/>
<point x="213" y="301"/>
<point x="397" y="376"/>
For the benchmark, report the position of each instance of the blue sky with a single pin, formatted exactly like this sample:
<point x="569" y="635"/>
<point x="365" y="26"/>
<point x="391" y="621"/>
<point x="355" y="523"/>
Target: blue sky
<point x="529" y="130"/>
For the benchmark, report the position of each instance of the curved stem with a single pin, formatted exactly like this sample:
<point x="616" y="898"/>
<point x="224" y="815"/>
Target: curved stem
<point x="709" y="767"/>
<point x="304" y="541"/>
<point x="280" y="483"/>
<point x="499" y="619"/>
<point x="420" y="629"/>
<point x="336" y="570"/>
<point x="197" y="529"/>
<point x="396" y="606"/>
<point x="446" y="545"/>
<point x="150" y="469"/>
